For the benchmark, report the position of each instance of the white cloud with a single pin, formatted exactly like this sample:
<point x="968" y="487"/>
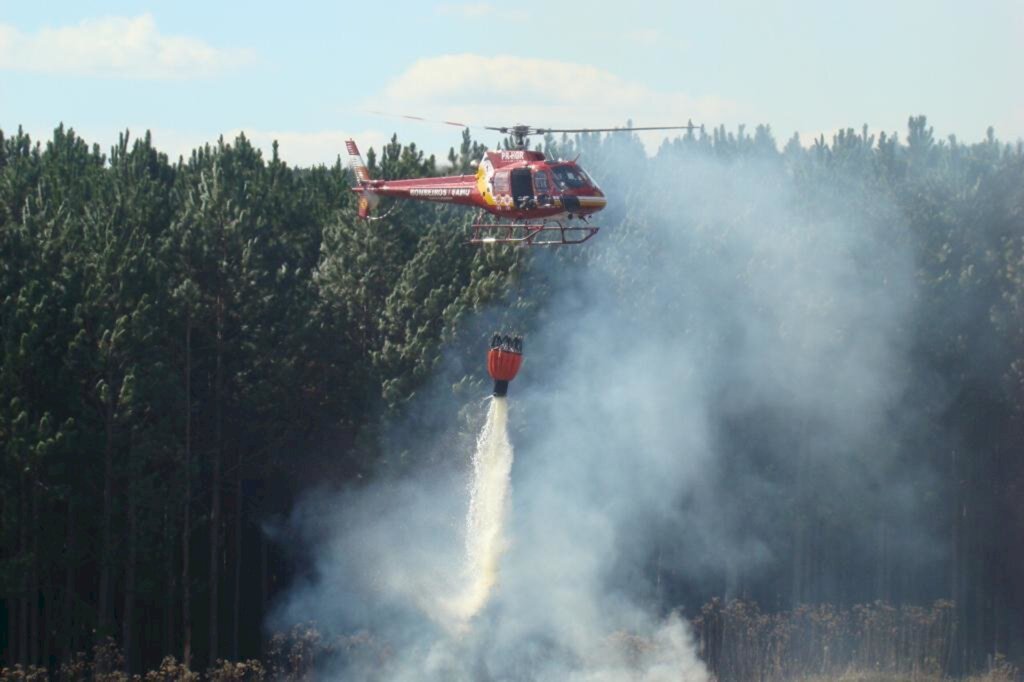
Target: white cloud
<point x="505" y="90"/>
<point x="121" y="47"/>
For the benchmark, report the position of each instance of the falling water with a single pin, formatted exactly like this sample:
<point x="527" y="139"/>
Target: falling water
<point x="488" y="499"/>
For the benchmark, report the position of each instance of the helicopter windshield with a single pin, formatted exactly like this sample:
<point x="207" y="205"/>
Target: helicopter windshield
<point x="569" y="177"/>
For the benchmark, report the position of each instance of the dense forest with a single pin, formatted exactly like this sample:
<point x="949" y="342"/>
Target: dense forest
<point x="189" y="345"/>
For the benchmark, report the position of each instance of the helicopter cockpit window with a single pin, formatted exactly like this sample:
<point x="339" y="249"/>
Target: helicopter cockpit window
<point x="568" y="177"/>
<point x="501" y="182"/>
<point x="540" y="182"/>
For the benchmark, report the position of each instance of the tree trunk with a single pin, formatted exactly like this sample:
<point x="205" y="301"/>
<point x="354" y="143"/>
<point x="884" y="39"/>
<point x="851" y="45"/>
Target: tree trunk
<point x="236" y="608"/>
<point x="12" y="631"/>
<point x="10" y="537"/>
<point x="33" y="588"/>
<point x="797" y="587"/>
<point x="68" y="604"/>
<point x="883" y="580"/>
<point x="186" y="530"/>
<point x="214" y="556"/>
<point x="215" y="502"/>
<point x="47" y="622"/>
<point x="22" y="550"/>
<point x="264" y="575"/>
<point x="170" y="587"/>
<point x="218" y="452"/>
<point x="957" y="567"/>
<point x="107" y="550"/>
<point x="127" y="618"/>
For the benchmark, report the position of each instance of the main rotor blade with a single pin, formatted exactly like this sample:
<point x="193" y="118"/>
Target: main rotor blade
<point x="523" y="131"/>
<point x="542" y="131"/>
<point x="421" y="119"/>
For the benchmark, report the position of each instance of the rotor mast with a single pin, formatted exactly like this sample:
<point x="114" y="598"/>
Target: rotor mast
<point x="519" y="134"/>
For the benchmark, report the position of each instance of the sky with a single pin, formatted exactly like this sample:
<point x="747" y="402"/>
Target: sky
<point x="309" y="74"/>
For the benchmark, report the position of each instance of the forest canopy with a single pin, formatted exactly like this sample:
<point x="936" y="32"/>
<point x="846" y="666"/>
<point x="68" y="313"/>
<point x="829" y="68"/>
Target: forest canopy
<point x="187" y="346"/>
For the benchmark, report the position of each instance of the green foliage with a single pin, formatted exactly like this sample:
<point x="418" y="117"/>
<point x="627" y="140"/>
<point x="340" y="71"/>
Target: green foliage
<point x="228" y="303"/>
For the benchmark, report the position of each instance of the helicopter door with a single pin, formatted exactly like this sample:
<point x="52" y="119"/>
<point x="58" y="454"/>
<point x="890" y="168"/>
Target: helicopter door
<point x="522" y="187"/>
<point x="540" y="188"/>
<point x="501" y="193"/>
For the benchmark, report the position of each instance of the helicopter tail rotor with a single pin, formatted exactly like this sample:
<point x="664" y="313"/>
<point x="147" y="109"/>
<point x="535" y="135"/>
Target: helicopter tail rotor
<point x="367" y="202"/>
<point x="368" y="199"/>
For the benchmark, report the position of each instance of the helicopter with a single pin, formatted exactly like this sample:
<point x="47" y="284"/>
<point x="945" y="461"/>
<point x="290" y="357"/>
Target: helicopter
<point x="522" y="197"/>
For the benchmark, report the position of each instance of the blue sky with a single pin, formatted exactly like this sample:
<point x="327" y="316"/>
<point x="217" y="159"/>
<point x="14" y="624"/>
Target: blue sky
<point x="306" y="73"/>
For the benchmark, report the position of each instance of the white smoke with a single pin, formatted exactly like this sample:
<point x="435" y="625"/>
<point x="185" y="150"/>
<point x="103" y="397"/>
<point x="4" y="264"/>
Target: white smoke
<point x="712" y="343"/>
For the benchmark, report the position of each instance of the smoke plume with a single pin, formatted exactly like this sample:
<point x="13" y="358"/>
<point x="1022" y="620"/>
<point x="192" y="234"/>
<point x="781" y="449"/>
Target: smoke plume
<point x="730" y="347"/>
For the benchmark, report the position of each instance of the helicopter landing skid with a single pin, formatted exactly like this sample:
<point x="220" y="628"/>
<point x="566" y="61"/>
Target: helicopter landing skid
<point x="531" y="233"/>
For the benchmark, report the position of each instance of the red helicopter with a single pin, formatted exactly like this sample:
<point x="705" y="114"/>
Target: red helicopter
<point x="535" y="201"/>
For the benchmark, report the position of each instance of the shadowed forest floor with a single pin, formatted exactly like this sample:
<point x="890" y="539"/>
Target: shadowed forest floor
<point x="738" y="642"/>
<point x="1004" y="675"/>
